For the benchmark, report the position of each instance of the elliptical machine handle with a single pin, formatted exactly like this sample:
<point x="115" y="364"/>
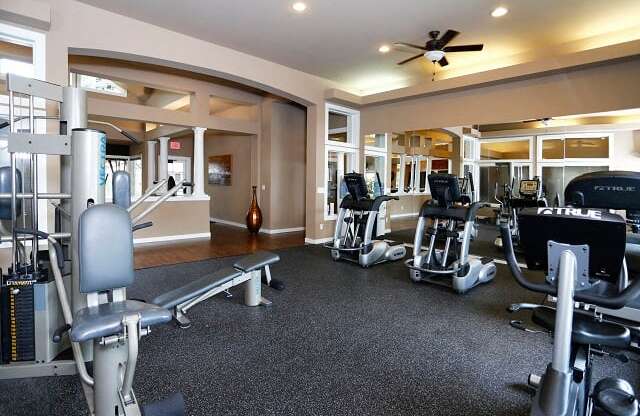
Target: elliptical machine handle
<point x="507" y="245"/>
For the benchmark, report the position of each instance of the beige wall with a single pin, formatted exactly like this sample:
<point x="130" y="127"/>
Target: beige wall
<point x="230" y="203"/>
<point x="175" y="218"/>
<point x="577" y="91"/>
<point x="283" y="165"/>
<point x="408" y="204"/>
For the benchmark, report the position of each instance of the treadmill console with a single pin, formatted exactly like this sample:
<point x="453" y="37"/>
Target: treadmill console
<point x="529" y="188"/>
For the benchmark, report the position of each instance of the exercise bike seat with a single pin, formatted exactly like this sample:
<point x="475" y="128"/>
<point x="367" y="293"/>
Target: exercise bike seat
<point x="586" y="330"/>
<point x="106" y="319"/>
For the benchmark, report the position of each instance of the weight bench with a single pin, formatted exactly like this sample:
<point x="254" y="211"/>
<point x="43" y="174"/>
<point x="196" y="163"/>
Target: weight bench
<point x="247" y="270"/>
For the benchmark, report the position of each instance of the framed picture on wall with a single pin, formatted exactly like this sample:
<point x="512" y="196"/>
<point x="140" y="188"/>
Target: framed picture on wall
<point x="220" y="170"/>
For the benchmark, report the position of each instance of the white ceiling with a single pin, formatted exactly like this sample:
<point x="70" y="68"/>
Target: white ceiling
<point x="339" y="39"/>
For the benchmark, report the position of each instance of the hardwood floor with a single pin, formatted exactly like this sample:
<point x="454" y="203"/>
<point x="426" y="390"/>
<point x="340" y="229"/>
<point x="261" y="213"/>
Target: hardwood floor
<point x="225" y="241"/>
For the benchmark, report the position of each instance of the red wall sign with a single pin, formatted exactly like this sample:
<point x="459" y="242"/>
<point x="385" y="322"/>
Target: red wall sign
<point x="174" y="145"/>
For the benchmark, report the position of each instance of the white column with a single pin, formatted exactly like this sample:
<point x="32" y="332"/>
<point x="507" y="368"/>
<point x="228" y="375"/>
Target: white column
<point x="163" y="159"/>
<point x="151" y="162"/>
<point x="198" y="160"/>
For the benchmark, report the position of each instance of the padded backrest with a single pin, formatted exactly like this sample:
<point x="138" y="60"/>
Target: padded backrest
<point x="105" y="248"/>
<point x="356" y="185"/>
<point x="5" y="187"/>
<point x="121" y="189"/>
<point x="445" y="188"/>
<point x="603" y="232"/>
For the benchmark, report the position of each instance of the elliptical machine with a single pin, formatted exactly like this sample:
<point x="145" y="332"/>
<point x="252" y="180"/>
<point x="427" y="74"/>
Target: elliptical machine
<point x="452" y="220"/>
<point x="356" y="227"/>
<point x="529" y="196"/>
<point x="582" y="252"/>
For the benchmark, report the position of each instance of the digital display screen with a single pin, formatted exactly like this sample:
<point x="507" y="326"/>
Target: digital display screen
<point x="529" y="187"/>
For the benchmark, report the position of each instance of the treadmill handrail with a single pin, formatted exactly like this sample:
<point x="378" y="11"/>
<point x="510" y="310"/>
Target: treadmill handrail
<point x="616" y="302"/>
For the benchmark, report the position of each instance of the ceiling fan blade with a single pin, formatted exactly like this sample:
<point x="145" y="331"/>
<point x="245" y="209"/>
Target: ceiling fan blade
<point x="410" y="45"/>
<point x="447" y="37"/>
<point x="463" y="48"/>
<point x="410" y="59"/>
<point x="443" y="61"/>
<point x="533" y="120"/>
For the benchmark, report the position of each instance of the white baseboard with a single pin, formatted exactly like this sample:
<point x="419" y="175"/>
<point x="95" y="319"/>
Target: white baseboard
<point x="225" y="222"/>
<point x="282" y="230"/>
<point x="411" y="214"/>
<point x="317" y="241"/>
<point x="262" y="230"/>
<point x="167" y="238"/>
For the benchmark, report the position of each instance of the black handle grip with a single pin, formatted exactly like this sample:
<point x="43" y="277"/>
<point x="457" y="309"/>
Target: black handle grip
<point x="58" y="333"/>
<point x="130" y="137"/>
<point x="141" y="226"/>
<point x="45" y="236"/>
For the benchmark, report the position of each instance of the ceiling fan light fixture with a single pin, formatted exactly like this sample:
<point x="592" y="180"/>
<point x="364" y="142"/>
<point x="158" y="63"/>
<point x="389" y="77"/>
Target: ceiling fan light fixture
<point x="434" y="56"/>
<point x="299" y="7"/>
<point x="499" y="11"/>
<point x="384" y="48"/>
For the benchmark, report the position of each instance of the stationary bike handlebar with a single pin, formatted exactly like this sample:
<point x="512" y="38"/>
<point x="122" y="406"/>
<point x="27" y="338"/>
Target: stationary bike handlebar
<point x="615" y="302"/>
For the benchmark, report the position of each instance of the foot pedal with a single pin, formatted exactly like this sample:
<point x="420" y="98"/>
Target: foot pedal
<point x="171" y="406"/>
<point x="486" y="260"/>
<point x="615" y="397"/>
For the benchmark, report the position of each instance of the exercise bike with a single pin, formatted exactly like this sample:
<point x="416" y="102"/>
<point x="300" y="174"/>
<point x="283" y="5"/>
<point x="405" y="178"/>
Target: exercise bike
<point x="448" y="218"/>
<point x="356" y="226"/>
<point x="582" y="252"/>
<point x="530" y="195"/>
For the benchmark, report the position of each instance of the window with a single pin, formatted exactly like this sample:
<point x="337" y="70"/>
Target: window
<point x="341" y="153"/>
<point x="565" y="157"/>
<point x="338" y="127"/>
<point x="376" y="141"/>
<point x="375" y="169"/>
<point x="510" y="149"/>
<point x="556" y="178"/>
<point x="180" y="168"/>
<point x="96" y="84"/>
<point x="396" y="173"/>
<point x="338" y="163"/>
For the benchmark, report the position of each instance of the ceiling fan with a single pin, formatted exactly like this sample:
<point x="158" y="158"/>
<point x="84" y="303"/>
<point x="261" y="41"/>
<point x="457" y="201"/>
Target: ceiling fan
<point x="435" y="49"/>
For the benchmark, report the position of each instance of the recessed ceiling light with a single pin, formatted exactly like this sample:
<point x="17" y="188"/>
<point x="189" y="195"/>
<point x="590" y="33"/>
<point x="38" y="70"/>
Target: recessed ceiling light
<point x="384" y="49"/>
<point x="499" y="11"/>
<point x="299" y="6"/>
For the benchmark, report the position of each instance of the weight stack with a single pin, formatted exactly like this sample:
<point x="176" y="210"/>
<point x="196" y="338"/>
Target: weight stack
<point x="18" y="320"/>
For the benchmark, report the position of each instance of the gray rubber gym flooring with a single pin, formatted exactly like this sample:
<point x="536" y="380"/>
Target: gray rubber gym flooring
<point x="340" y="340"/>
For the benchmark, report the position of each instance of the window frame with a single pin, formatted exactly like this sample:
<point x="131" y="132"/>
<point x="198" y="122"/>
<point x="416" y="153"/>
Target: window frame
<point x="351" y="147"/>
<point x="386" y="188"/>
<point x="600" y="161"/>
<point x="532" y="148"/>
<point x="353" y="155"/>
<point x="378" y="148"/>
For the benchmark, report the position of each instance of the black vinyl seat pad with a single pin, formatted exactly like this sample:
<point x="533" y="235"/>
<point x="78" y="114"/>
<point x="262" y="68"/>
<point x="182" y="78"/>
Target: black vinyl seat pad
<point x="256" y="261"/>
<point x="196" y="288"/>
<point x="586" y="330"/>
<point x="106" y="319"/>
